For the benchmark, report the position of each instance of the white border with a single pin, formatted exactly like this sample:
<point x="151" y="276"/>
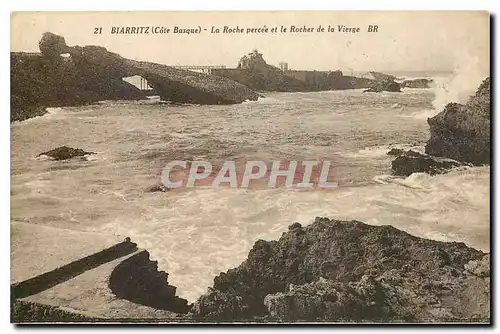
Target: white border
<point x="149" y="5"/>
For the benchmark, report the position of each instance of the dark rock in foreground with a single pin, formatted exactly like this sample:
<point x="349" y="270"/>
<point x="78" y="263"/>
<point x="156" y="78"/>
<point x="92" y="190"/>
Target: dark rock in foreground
<point x="386" y="85"/>
<point x="349" y="271"/>
<point x="462" y="131"/>
<point x="411" y="162"/>
<point x="65" y="153"/>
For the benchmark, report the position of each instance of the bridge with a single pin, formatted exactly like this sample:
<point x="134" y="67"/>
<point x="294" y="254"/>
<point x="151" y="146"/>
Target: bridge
<point x="143" y="84"/>
<point x="201" y="69"/>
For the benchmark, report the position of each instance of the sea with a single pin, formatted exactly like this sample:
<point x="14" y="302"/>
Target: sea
<point x="195" y="233"/>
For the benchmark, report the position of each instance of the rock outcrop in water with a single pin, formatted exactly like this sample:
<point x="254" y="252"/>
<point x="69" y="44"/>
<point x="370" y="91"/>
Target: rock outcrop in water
<point x="379" y="76"/>
<point x="410" y="162"/>
<point x="386" y="85"/>
<point x="65" y="153"/>
<point x="92" y="73"/>
<point x="160" y="187"/>
<point x="460" y="136"/>
<point x="462" y="131"/>
<point x="396" y="151"/>
<point x="417" y="83"/>
<point x="349" y="271"/>
<point x="254" y="72"/>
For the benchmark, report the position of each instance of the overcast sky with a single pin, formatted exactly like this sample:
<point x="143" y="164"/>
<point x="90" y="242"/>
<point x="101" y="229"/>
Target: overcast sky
<point x="405" y="41"/>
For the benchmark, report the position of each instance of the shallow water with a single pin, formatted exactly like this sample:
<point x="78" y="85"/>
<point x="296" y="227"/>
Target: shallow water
<point x="196" y="233"/>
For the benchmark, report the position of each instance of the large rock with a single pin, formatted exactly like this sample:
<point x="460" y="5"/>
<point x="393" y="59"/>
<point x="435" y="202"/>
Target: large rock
<point x="411" y="162"/>
<point x="349" y="271"/>
<point x="52" y="45"/>
<point x="462" y="131"/>
<point x="254" y="72"/>
<point x="92" y="73"/>
<point x="65" y="153"/>
<point x="254" y="61"/>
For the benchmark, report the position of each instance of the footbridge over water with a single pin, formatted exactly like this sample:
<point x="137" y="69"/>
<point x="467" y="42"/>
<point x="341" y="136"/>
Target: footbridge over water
<point x="207" y="69"/>
<point x="143" y="84"/>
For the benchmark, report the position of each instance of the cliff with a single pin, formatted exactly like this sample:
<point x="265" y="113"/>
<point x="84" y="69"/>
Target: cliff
<point x="349" y="271"/>
<point x="38" y="82"/>
<point x="92" y="73"/>
<point x="462" y="131"/>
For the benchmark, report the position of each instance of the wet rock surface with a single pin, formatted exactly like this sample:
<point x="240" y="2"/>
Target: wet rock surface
<point x="462" y="131"/>
<point x="410" y="162"/>
<point x="65" y="153"/>
<point x="348" y="271"/>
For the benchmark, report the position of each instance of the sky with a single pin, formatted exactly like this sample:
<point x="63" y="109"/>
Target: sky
<point x="404" y="41"/>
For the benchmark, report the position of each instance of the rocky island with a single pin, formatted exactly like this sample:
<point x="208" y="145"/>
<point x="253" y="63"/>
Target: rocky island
<point x="256" y="73"/>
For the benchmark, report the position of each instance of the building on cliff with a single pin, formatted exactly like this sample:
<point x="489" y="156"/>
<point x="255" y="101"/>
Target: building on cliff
<point x="283" y="66"/>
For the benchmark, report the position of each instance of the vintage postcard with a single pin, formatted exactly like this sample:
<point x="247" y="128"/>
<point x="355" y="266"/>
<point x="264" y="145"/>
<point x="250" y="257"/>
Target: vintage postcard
<point x="250" y="167"/>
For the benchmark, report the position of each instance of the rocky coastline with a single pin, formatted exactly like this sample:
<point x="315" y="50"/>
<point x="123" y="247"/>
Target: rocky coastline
<point x="462" y="131"/>
<point x="254" y="72"/>
<point x="91" y="73"/>
<point x="62" y="75"/>
<point x="329" y="271"/>
<point x="348" y="271"/>
<point x="459" y="136"/>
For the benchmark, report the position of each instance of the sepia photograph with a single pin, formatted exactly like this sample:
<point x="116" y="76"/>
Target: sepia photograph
<point x="255" y="167"/>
